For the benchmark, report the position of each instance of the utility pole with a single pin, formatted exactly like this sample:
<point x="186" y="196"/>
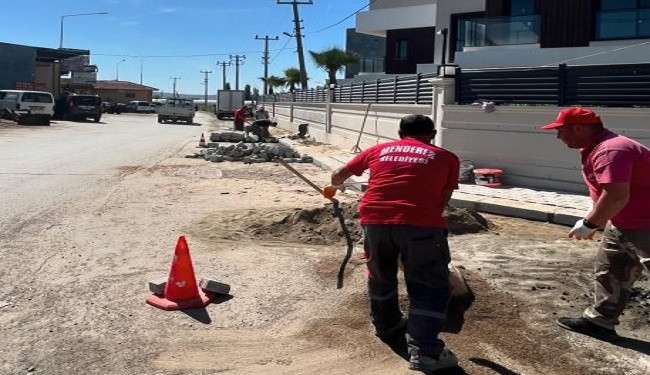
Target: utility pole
<point x="205" y="82"/>
<point x="223" y="65"/>
<point x="265" y="58"/>
<point x="298" y="35"/>
<point x="174" y="89"/>
<point x="141" y="68"/>
<point x="239" y="60"/>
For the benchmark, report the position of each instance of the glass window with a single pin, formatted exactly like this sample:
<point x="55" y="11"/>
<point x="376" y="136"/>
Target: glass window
<point x="522" y="7"/>
<point x="644" y="22"/>
<point x="401" y="50"/>
<point x="37" y="97"/>
<point x="644" y="3"/>
<point x="617" y="4"/>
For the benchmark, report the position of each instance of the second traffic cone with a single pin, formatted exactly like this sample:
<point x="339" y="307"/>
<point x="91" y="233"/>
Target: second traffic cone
<point x="181" y="291"/>
<point x="202" y="141"/>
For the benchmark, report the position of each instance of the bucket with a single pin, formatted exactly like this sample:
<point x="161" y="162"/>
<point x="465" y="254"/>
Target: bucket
<point x="488" y="177"/>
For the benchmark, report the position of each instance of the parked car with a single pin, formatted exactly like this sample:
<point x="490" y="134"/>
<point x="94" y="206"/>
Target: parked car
<point x="138" y="106"/>
<point x="81" y="107"/>
<point x="27" y="106"/>
<point x="116" y="108"/>
<point x="176" y="110"/>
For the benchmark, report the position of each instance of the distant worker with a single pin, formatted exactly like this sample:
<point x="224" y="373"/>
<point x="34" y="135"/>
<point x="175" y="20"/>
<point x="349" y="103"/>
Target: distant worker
<point x="616" y="169"/>
<point x="411" y="182"/>
<point x="262" y="114"/>
<point x="240" y="118"/>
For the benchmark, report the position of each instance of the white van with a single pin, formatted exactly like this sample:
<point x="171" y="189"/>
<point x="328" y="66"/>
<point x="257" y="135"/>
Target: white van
<point x="139" y="106"/>
<point x="27" y="106"/>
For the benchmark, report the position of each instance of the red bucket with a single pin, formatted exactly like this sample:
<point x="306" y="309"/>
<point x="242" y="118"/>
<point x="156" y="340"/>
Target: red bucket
<point x="488" y="177"/>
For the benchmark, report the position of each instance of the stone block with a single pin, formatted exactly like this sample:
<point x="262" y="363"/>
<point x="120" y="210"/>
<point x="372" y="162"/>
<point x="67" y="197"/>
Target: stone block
<point x="157" y="287"/>
<point x="210" y="285"/>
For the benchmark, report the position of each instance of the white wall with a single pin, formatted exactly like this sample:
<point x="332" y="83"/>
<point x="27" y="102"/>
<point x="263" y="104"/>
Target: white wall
<point x="510" y="139"/>
<point x="376" y="22"/>
<point x="610" y="52"/>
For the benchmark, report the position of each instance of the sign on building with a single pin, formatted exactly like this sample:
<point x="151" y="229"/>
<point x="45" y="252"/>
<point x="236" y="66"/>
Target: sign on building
<point x="74" y="64"/>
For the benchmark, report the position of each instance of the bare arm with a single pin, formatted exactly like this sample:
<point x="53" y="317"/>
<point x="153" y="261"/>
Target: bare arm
<point x="614" y="198"/>
<point x="340" y="175"/>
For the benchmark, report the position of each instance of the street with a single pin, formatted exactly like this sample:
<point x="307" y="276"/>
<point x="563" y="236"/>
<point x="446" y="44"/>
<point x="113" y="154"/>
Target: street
<point x="91" y="212"/>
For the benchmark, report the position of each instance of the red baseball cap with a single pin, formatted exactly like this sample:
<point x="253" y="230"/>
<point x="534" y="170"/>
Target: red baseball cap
<point x="574" y="116"/>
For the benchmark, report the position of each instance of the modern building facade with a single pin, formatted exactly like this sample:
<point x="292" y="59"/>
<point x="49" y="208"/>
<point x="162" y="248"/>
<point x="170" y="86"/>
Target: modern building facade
<point x="368" y="49"/>
<point x="508" y="33"/>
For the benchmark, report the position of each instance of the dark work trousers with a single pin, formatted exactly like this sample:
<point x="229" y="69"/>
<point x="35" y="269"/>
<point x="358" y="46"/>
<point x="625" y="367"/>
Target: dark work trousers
<point x="425" y="255"/>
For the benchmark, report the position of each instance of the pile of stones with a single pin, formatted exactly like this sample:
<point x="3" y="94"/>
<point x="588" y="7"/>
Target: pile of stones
<point x="252" y="153"/>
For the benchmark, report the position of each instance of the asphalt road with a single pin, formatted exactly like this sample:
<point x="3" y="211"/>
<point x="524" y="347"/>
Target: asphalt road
<point x="44" y="167"/>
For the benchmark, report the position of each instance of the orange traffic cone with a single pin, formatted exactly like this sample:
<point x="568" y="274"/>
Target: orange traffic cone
<point x="181" y="291"/>
<point x="202" y="141"/>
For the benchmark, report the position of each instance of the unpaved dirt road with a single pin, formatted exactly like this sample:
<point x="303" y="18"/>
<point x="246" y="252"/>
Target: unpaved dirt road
<point x="82" y="235"/>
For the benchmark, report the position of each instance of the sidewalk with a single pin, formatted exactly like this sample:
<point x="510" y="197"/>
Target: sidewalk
<point x="548" y="206"/>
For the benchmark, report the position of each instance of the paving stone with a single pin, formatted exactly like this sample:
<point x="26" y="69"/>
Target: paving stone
<point x="210" y="285"/>
<point x="157" y="287"/>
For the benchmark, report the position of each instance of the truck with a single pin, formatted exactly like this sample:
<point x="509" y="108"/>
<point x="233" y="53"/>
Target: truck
<point x="228" y="101"/>
<point x="175" y="110"/>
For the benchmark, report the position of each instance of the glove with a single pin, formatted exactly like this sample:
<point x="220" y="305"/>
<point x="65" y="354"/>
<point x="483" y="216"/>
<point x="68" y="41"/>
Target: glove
<point x="330" y="191"/>
<point x="582" y="232"/>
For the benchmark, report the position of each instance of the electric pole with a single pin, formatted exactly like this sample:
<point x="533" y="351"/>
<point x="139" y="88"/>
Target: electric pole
<point x="205" y="82"/>
<point x="265" y="59"/>
<point x="223" y="72"/>
<point x="298" y="35"/>
<point x="174" y="89"/>
<point x="239" y="60"/>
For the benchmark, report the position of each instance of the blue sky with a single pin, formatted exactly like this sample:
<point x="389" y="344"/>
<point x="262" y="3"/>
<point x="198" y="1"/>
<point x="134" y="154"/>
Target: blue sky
<point x="180" y="28"/>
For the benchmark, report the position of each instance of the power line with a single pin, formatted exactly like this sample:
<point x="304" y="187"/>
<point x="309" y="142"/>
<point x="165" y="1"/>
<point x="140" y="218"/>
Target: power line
<point x="298" y="35"/>
<point x="342" y="20"/>
<point x="284" y="47"/>
<point x="181" y="56"/>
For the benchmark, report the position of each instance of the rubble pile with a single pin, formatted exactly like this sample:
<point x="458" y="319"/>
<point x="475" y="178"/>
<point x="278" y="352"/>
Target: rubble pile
<point x="252" y="153"/>
<point x="232" y="137"/>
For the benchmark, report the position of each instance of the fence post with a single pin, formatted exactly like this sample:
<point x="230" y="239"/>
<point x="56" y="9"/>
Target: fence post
<point x="443" y="93"/>
<point x="363" y="90"/>
<point x="395" y="90"/>
<point x="459" y="80"/>
<point x="377" y="91"/>
<point x="328" y="109"/>
<point x="293" y="100"/>
<point x="562" y="84"/>
<point x="418" y="77"/>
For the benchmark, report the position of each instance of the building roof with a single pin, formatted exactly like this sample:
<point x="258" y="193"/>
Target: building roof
<point x="51" y="54"/>
<point x="121" y="85"/>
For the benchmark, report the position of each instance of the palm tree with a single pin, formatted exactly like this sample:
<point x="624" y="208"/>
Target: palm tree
<point x="332" y="60"/>
<point x="292" y="77"/>
<point x="274" y="81"/>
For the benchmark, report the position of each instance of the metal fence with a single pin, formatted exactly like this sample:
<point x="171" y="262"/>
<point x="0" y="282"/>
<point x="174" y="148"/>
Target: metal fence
<point x="597" y="85"/>
<point x="412" y="89"/>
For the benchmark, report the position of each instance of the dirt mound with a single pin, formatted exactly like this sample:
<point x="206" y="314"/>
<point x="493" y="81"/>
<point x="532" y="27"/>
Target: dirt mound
<point x="319" y="226"/>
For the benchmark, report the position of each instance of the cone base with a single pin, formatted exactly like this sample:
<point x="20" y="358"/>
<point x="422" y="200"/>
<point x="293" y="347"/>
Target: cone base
<point x="163" y="303"/>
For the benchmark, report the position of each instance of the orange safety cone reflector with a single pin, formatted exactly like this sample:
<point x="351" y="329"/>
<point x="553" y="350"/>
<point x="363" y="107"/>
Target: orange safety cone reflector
<point x="202" y="141"/>
<point x="181" y="291"/>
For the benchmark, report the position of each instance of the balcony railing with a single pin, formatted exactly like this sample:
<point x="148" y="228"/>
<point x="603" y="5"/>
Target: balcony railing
<point x="623" y="24"/>
<point x="497" y="31"/>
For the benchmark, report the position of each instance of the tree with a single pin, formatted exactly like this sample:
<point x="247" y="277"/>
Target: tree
<point x="332" y="60"/>
<point x="247" y="92"/>
<point x="227" y="86"/>
<point x="256" y="94"/>
<point x="292" y="78"/>
<point x="273" y="82"/>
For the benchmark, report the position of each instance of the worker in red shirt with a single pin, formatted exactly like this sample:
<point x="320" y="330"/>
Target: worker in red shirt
<point x="616" y="170"/>
<point x="411" y="182"/>
<point x="240" y="118"/>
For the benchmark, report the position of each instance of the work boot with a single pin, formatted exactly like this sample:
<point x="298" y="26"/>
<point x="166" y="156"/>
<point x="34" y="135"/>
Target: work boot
<point x="446" y="360"/>
<point x="396" y="330"/>
<point x="584" y="326"/>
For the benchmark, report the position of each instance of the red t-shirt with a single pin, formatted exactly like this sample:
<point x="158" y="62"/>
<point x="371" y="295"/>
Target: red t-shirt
<point x="407" y="182"/>
<point x="240" y="115"/>
<point x="618" y="159"/>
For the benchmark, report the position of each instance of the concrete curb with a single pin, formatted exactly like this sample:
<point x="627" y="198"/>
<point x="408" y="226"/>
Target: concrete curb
<point x="483" y="204"/>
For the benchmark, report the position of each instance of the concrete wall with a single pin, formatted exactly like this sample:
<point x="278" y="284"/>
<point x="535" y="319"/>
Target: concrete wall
<point x="510" y="139"/>
<point x="610" y="52"/>
<point x="383" y="4"/>
<point x="381" y="125"/>
<point x="17" y="64"/>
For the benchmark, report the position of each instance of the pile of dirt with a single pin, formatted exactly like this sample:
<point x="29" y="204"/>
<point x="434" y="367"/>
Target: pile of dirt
<point x="319" y="226"/>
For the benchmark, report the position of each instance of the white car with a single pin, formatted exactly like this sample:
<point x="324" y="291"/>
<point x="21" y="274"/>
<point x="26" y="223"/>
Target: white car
<point x="139" y="106"/>
<point x="176" y="110"/>
<point x="27" y="106"/>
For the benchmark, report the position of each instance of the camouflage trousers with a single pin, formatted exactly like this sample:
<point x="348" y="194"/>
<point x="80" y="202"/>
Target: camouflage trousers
<point x="621" y="258"/>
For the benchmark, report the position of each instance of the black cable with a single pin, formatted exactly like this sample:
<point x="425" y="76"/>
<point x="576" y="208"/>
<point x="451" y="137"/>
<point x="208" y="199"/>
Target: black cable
<point x="343" y="20"/>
